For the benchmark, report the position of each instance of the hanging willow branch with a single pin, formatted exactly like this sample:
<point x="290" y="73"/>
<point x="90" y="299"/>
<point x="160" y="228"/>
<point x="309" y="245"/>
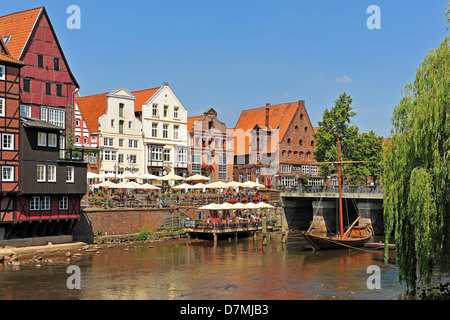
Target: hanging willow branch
<point x="416" y="172"/>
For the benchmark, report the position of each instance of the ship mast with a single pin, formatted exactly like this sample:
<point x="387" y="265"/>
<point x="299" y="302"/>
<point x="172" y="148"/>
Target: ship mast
<point x="340" y="189"/>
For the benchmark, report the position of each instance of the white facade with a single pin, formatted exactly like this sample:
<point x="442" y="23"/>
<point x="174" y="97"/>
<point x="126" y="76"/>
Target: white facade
<point x="120" y="135"/>
<point x="164" y="121"/>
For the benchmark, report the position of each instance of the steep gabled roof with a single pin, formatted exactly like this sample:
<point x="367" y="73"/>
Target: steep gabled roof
<point x="142" y="97"/>
<point x="93" y="107"/>
<point x="20" y="26"/>
<point x="191" y="121"/>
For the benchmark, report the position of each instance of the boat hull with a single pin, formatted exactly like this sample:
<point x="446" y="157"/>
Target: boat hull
<point x="334" y="243"/>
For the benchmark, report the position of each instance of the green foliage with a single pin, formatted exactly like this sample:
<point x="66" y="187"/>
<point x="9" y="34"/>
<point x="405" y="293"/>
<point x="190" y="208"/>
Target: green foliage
<point x="142" y="236"/>
<point x="416" y="172"/>
<point x="354" y="146"/>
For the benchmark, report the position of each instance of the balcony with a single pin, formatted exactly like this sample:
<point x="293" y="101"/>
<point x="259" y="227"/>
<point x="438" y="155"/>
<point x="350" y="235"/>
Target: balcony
<point x="71" y="155"/>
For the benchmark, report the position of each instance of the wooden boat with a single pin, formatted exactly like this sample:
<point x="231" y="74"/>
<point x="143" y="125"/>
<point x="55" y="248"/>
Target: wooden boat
<point x="355" y="236"/>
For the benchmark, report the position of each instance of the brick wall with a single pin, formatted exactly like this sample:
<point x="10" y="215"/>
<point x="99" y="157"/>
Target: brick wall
<point x="123" y="221"/>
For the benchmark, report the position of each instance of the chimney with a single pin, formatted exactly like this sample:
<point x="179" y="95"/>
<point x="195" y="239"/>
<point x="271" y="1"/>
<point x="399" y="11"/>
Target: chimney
<point x="165" y="84"/>
<point x="267" y="115"/>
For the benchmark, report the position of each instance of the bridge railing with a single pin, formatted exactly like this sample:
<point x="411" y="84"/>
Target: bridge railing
<point x="332" y="189"/>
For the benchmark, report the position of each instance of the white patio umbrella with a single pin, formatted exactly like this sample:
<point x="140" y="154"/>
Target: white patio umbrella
<point x="171" y="177"/>
<point x="251" y="185"/>
<point x="92" y="175"/>
<point x="264" y="205"/>
<point x="122" y="186"/>
<point x="197" y="177"/>
<point x="217" y="185"/>
<point x="234" y="184"/>
<point x="135" y="185"/>
<point x="239" y="206"/>
<point x="183" y="186"/>
<point x="149" y="176"/>
<point x="106" y="184"/>
<point x="149" y="187"/>
<point x="131" y="175"/>
<point x="199" y="186"/>
<point x="211" y="206"/>
<point x="227" y="206"/>
<point x="252" y="206"/>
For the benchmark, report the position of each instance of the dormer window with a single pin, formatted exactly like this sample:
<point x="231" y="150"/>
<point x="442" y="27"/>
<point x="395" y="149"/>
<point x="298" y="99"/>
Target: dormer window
<point x="2" y="72"/>
<point x="6" y="39"/>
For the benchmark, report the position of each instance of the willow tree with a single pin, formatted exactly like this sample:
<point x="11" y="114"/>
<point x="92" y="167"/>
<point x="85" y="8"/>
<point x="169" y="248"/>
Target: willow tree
<point x="416" y="173"/>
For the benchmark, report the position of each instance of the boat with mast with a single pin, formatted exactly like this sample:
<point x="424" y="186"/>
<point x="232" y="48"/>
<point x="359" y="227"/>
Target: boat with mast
<point x="354" y="236"/>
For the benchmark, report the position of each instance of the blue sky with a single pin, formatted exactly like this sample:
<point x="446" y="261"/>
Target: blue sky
<point x="234" y="55"/>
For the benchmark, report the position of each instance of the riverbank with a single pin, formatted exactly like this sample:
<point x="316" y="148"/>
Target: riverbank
<point x="72" y="253"/>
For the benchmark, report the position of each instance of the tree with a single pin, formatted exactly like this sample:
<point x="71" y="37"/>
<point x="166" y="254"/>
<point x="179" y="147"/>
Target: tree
<point x="354" y="146"/>
<point x="336" y="122"/>
<point x="416" y="172"/>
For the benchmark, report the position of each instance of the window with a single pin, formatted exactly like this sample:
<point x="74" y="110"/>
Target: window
<point x="314" y="170"/>
<point x="130" y="125"/>
<point x="2" y="107"/>
<point x="133" y="144"/>
<point x="132" y="159"/>
<point x="112" y="123"/>
<point x="305" y="169"/>
<point x="8" y="141"/>
<point x="155" y="110"/>
<point x="156" y="153"/>
<point x="288" y="181"/>
<point x="77" y="139"/>
<point x="42" y="139"/>
<point x="165" y="131"/>
<point x="108" y="142"/>
<point x="249" y="176"/>
<point x="121" y="122"/>
<point x="154" y="130"/>
<point x="35" y="203"/>
<point x="57" y="117"/>
<point x="70" y="174"/>
<point x="182" y="156"/>
<point x="121" y="106"/>
<point x="109" y="155"/>
<point x="175" y="132"/>
<point x="120" y="158"/>
<point x="286" y="169"/>
<point x="196" y="164"/>
<point x="241" y="177"/>
<point x="56" y="64"/>
<point x="52" y="140"/>
<point x="48" y="89"/>
<point x="176" y="113"/>
<point x="40" y="173"/>
<point x="64" y="203"/>
<point x="25" y="111"/>
<point x="166" y="111"/>
<point x="7" y="174"/>
<point x="222" y="168"/>
<point x="59" y="91"/>
<point x="26" y="85"/>
<point x="121" y="143"/>
<point x="308" y="155"/>
<point x="40" y="61"/>
<point x="51" y="173"/>
<point x="44" y="114"/>
<point x="166" y="155"/>
<point x="2" y="72"/>
<point x="45" y="203"/>
<point x="85" y="140"/>
<point x="6" y="39"/>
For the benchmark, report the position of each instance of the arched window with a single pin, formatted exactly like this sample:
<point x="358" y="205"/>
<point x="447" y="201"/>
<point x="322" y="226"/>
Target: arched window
<point x="300" y="142"/>
<point x="308" y="155"/>
<point x="289" y="154"/>
<point x="283" y="153"/>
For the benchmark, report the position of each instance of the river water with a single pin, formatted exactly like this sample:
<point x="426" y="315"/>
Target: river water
<point x="231" y="270"/>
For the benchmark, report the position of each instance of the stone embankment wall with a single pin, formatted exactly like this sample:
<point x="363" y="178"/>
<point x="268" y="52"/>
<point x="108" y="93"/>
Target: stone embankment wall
<point x="94" y="221"/>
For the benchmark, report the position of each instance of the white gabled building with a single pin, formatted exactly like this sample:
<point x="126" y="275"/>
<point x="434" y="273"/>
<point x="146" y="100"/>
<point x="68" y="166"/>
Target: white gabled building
<point x="164" y="121"/>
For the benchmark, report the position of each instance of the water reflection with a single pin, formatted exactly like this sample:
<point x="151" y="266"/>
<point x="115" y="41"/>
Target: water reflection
<point x="231" y="270"/>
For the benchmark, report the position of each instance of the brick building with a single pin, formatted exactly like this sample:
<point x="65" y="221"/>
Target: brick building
<point x="42" y="182"/>
<point x="208" y="144"/>
<point x="274" y="145"/>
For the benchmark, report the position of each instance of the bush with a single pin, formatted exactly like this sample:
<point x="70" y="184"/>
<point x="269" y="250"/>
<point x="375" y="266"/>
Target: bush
<point x="142" y="236"/>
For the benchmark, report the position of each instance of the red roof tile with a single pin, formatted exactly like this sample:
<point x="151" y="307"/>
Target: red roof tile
<point x="93" y="107"/>
<point x="19" y="25"/>
<point x="191" y="121"/>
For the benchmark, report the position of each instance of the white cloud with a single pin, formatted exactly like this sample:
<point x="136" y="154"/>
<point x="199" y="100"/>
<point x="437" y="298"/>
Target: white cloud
<point x="343" y="79"/>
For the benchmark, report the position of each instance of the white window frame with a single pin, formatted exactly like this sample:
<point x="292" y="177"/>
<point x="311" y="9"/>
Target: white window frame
<point x="157" y="154"/>
<point x="70" y="174"/>
<point x="165" y="131"/>
<point x="182" y="155"/>
<point x="41" y="173"/>
<point x="196" y="165"/>
<point x="286" y="168"/>
<point x="25" y="111"/>
<point x="314" y="170"/>
<point x="109" y="155"/>
<point x="44" y="114"/>
<point x="51" y="173"/>
<point x="2" y="72"/>
<point x="42" y="139"/>
<point x="120" y="158"/>
<point x="176" y="113"/>
<point x="57" y="117"/>
<point x="35" y="203"/>
<point x="2" y="107"/>
<point x="155" y="110"/>
<point x="108" y="142"/>
<point x="176" y="132"/>
<point x="154" y="130"/>
<point x="121" y="143"/>
<point x="10" y="174"/>
<point x="46" y="203"/>
<point x="132" y="159"/>
<point x="7" y="141"/>
<point x="222" y="169"/>
<point x="53" y="140"/>
<point x="133" y="144"/>
<point x="166" y="155"/>
<point x="305" y="169"/>
<point x="63" y="203"/>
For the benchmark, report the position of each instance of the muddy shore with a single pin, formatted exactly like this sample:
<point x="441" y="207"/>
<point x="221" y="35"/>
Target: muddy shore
<point x="68" y="257"/>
